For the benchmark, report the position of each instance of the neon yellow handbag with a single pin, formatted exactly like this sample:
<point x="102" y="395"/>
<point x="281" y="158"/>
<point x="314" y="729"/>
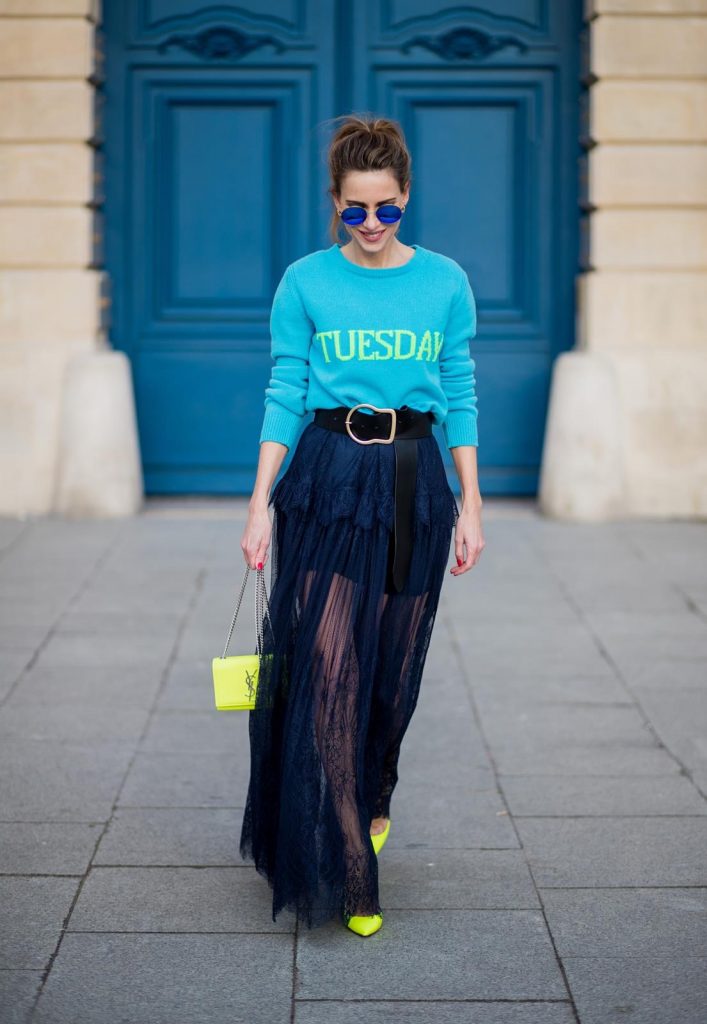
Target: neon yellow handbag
<point x="236" y="676"/>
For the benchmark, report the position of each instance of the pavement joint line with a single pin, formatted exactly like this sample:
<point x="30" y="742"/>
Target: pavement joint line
<point x="197" y="587"/>
<point x="451" y="628"/>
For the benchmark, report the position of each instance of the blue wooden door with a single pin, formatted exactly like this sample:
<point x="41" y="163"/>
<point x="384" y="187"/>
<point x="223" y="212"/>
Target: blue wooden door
<point x="215" y="142"/>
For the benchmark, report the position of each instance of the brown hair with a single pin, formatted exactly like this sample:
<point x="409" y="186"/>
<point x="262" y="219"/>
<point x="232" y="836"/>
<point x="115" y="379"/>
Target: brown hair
<point x="366" y="144"/>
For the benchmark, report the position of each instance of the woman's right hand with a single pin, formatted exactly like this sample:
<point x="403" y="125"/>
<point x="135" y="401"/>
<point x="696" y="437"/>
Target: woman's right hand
<point x="256" y="536"/>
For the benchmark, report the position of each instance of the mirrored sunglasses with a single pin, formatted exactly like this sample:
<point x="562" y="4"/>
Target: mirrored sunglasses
<point x="388" y="214"/>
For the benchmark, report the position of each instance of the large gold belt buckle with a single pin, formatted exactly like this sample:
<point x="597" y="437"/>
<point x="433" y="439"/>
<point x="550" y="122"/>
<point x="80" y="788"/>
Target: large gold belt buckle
<point x="372" y="440"/>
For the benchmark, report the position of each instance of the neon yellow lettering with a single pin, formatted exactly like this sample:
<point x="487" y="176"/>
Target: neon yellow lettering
<point x="364" y="343"/>
<point x="352" y="345"/>
<point x="387" y="345"/>
<point x="398" y="338"/>
<point x="425" y="349"/>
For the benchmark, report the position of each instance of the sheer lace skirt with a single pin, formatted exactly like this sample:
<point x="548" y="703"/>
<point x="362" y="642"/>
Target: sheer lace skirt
<point x="342" y="671"/>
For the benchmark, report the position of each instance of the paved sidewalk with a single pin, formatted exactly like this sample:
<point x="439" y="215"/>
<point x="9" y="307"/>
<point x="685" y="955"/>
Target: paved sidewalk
<point x="547" y="862"/>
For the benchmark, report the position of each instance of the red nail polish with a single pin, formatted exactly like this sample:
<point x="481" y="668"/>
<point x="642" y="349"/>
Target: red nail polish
<point x="260" y="565"/>
<point x="460" y="561"/>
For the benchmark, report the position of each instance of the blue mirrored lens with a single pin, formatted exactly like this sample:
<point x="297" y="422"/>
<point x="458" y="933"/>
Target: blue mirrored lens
<point x="389" y="214"/>
<point x="353" y="215"/>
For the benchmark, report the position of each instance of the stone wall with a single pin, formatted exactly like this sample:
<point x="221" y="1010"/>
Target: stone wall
<point x="627" y="424"/>
<point x="49" y="293"/>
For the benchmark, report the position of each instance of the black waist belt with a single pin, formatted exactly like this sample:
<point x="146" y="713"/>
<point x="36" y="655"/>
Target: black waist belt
<point x="401" y="428"/>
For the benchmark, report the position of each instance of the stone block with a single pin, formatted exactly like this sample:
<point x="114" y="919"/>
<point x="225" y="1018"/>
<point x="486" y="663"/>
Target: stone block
<point x="46" y="48"/>
<point x="647" y="6"/>
<point x="46" y="173"/>
<point x="644" y="111"/>
<point x="63" y="8"/>
<point x="649" y="239"/>
<point x="648" y="175"/>
<point x="53" y="304"/>
<point x="648" y="47"/>
<point x="45" y="236"/>
<point x="46" y="111"/>
<point x="641" y="309"/>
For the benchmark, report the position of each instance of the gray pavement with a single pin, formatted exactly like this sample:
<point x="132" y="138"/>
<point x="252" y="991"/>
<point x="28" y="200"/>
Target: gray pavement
<point x="547" y="862"/>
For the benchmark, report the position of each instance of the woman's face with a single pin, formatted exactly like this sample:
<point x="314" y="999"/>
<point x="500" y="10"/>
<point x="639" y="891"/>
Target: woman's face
<point x="371" y="189"/>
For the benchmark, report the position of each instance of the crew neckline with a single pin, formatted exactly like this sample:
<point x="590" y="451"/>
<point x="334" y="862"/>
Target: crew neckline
<point x="379" y="271"/>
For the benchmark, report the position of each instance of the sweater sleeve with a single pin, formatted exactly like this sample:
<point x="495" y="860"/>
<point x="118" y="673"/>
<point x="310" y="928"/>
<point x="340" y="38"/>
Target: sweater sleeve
<point x="291" y="333"/>
<point x="457" y="369"/>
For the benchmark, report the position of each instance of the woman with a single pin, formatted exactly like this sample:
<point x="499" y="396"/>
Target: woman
<point x="372" y="336"/>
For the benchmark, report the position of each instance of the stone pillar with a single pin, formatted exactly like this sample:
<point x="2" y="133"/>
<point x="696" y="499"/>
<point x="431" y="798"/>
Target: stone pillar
<point x="626" y="431"/>
<point x="50" y="288"/>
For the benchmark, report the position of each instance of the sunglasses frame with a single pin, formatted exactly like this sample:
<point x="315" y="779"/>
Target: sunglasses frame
<point x="360" y="209"/>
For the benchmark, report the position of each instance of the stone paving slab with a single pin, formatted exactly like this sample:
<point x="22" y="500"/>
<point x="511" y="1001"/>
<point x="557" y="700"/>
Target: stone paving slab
<point x="627" y="922"/>
<point x="432" y="816"/>
<point x="175" y="899"/>
<point x="33" y="909"/>
<point x="78" y="724"/>
<point x="543" y="692"/>
<point x="616" y="852"/>
<point x="554" y="796"/>
<point x="644" y="990"/>
<point x="454" y="879"/>
<point x="42" y="781"/>
<point x="188" y="682"/>
<point x="189" y="779"/>
<point x="18" y="991"/>
<point x="173" y="979"/>
<point x="46" y="686"/>
<point x="179" y="836"/>
<point x="47" y="848"/>
<point x="205" y="731"/>
<point x="437" y="954"/>
<point x="574" y="740"/>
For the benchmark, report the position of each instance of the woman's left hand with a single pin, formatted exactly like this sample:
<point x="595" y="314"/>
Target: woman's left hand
<point x="469" y="539"/>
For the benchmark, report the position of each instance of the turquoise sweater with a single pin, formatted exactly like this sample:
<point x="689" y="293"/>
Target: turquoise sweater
<point x="344" y="334"/>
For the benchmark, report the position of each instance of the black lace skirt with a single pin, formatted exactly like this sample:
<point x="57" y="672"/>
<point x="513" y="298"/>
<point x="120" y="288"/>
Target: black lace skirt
<point x="342" y="671"/>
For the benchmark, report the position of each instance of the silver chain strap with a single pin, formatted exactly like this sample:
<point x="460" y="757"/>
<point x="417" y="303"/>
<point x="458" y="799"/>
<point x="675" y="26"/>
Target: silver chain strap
<point x="260" y="595"/>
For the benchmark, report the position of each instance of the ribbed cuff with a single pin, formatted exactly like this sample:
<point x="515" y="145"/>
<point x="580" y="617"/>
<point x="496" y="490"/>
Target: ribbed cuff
<point x="279" y="424"/>
<point x="460" y="428"/>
